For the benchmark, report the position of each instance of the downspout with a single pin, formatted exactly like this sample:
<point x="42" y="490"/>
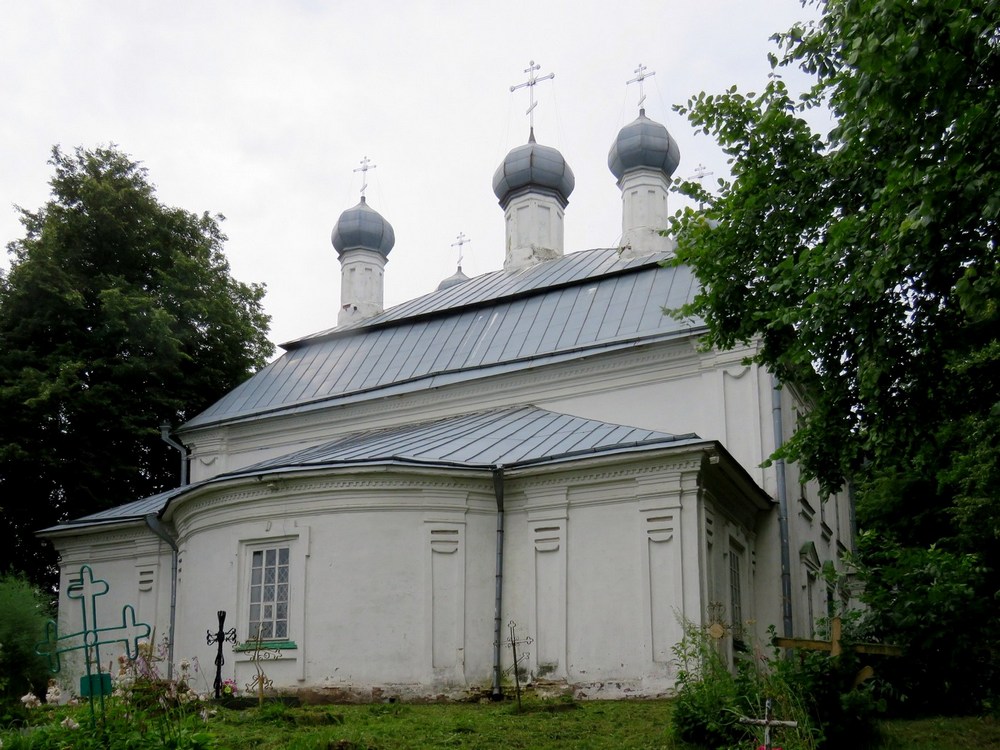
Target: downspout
<point x="779" y="467"/>
<point x="165" y="437"/>
<point x="497" y="693"/>
<point x="157" y="527"/>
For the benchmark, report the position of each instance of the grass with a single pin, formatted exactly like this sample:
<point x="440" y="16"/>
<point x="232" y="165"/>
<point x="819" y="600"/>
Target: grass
<point x="543" y="725"/>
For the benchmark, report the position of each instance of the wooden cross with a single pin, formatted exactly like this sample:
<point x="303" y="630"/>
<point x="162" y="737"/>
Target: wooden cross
<point x="835" y="647"/>
<point x="365" y="166"/>
<point x="641" y="75"/>
<point x="530" y="83"/>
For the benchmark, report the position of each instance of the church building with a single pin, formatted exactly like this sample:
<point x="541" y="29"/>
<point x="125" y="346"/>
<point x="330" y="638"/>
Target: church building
<point x="539" y="445"/>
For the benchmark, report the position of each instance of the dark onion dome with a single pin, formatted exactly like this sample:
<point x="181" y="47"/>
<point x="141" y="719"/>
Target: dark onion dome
<point x="643" y="143"/>
<point x="362" y="227"/>
<point x="536" y="167"/>
<point x="454" y="280"/>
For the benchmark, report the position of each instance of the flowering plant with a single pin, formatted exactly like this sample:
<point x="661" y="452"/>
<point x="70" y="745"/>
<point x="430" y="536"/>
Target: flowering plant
<point x="229" y="688"/>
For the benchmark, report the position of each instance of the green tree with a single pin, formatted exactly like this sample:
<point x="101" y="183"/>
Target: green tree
<point x="864" y="263"/>
<point x="23" y="614"/>
<point x="118" y="313"/>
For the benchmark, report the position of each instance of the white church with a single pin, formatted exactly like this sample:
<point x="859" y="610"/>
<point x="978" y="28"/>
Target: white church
<point x="539" y="445"/>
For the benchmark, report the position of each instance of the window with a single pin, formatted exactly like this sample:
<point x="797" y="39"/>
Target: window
<point x="269" y="578"/>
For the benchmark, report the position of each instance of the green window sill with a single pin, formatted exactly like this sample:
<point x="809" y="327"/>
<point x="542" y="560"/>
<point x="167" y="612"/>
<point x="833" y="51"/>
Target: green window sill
<point x="265" y="646"/>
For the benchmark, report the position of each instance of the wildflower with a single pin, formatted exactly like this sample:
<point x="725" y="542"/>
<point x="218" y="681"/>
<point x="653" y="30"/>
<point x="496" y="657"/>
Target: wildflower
<point x="30" y="700"/>
<point x="53" y="694"/>
<point x="69" y="723"/>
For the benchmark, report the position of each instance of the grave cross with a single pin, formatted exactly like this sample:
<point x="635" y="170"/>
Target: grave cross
<point x="836" y="648"/>
<point x="641" y="75"/>
<point x="86" y="589"/>
<point x="530" y="83"/>
<point x="220" y="637"/>
<point x="512" y="642"/>
<point x="834" y="645"/>
<point x="767" y="722"/>
<point x="260" y="681"/>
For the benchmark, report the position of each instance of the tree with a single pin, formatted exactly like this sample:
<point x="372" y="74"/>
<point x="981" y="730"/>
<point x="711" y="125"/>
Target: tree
<point x="118" y="314"/>
<point x="863" y="264"/>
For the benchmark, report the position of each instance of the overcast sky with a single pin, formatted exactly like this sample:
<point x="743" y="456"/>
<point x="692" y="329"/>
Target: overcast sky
<point x="262" y="111"/>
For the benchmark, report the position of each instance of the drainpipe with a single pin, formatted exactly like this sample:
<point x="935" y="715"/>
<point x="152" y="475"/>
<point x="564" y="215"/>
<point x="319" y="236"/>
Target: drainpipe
<point x="157" y="527"/>
<point x="165" y="437"/>
<point x="497" y="606"/>
<point x="779" y="467"/>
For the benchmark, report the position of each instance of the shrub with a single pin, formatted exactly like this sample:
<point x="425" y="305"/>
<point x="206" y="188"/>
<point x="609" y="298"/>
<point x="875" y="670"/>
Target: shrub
<point x="23" y="614"/>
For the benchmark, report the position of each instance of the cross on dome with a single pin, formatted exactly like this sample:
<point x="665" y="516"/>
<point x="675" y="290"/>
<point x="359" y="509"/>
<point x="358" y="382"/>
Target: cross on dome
<point x="640" y="76"/>
<point x="530" y="84"/>
<point x="461" y="239"/>
<point x="365" y="166"/>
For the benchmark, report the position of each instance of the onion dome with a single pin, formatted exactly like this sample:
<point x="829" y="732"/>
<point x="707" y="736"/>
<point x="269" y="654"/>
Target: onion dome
<point x="454" y="280"/>
<point x="362" y="227"/>
<point x="533" y="167"/>
<point x="643" y="144"/>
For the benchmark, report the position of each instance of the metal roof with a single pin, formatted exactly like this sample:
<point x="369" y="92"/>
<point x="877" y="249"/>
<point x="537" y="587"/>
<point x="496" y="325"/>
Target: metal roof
<point x="514" y="437"/>
<point x="133" y="511"/>
<point x="566" y="307"/>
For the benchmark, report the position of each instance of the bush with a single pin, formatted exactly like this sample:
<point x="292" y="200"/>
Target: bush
<point x="811" y="688"/>
<point x="23" y="614"/>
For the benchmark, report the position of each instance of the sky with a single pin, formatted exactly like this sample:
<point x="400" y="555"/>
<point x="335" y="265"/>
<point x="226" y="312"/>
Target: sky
<point x="263" y="111"/>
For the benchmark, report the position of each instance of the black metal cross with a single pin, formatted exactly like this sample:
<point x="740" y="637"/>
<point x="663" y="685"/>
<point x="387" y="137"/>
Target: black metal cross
<point x="220" y="637"/>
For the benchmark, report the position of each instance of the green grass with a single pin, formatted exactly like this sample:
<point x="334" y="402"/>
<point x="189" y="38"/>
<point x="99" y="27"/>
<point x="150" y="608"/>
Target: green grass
<point x="543" y="725"/>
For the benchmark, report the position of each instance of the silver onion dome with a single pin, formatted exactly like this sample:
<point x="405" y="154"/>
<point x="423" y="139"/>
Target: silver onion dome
<point x="533" y="166"/>
<point x="643" y="143"/>
<point x="362" y="227"/>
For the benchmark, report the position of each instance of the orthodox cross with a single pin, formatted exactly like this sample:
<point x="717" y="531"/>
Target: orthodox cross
<point x="512" y="643"/>
<point x="640" y="76"/>
<point x="767" y="722"/>
<point x="461" y="239"/>
<point x="86" y="589"/>
<point x="260" y="681"/>
<point x="365" y="166"/>
<point x="530" y="83"/>
<point x="220" y="637"/>
<point x="700" y="173"/>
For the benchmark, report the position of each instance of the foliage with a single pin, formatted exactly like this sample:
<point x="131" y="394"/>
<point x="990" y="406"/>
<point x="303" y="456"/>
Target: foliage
<point x="23" y="614"/>
<point x="812" y="689"/>
<point x="708" y="704"/>
<point x="864" y="265"/>
<point x="118" y="314"/>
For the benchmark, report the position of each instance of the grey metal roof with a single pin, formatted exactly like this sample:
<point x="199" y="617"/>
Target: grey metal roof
<point x="512" y="437"/>
<point x="568" y="307"/>
<point x="133" y="511"/>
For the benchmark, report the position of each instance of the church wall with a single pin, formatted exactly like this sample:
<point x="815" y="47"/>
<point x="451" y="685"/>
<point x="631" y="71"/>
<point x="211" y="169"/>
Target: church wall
<point x="383" y="591"/>
<point x="136" y="566"/>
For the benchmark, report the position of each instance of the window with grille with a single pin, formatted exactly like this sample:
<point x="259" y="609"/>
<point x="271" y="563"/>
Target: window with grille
<point x="269" y="568"/>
